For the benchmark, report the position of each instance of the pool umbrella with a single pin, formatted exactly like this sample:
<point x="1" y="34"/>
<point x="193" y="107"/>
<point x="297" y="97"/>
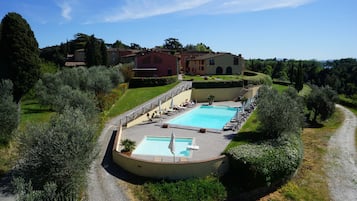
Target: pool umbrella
<point x="172" y="144"/>
<point x="172" y="103"/>
<point x="237" y="114"/>
<point x="160" y="107"/>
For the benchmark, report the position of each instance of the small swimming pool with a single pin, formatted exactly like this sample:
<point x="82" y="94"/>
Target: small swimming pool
<point x="158" y="146"/>
<point x="206" y="116"/>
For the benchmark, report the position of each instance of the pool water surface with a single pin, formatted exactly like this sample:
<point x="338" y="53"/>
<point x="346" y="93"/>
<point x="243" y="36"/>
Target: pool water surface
<point x="158" y="146"/>
<point x="206" y="116"/>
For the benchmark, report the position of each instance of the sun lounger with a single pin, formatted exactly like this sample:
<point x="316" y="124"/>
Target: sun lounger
<point x="157" y="159"/>
<point x="193" y="147"/>
<point x="183" y="159"/>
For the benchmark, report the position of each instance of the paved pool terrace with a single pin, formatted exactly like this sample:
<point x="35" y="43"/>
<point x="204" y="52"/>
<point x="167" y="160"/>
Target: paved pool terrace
<point x="211" y="144"/>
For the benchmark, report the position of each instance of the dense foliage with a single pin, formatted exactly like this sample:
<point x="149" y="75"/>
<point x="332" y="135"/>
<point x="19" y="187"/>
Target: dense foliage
<point x="279" y="113"/>
<point x="82" y="88"/>
<point x="9" y="112"/>
<point x="276" y="151"/>
<point x="338" y="74"/>
<point x="321" y="102"/>
<point x="96" y="52"/>
<point x="59" y="152"/>
<point x="19" y="54"/>
<point x="151" y="81"/>
<point x="207" y="189"/>
<point x="267" y="162"/>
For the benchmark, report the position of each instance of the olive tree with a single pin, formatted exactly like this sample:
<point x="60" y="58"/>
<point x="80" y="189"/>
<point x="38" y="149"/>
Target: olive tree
<point x="279" y="113"/>
<point x="59" y="152"/>
<point x="9" y="111"/>
<point x="321" y="101"/>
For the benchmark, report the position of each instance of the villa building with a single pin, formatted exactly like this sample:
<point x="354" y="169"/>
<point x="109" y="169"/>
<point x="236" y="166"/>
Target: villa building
<point x="215" y="64"/>
<point x="155" y="64"/>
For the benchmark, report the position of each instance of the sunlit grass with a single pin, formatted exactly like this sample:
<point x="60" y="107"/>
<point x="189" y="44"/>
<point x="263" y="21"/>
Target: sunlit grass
<point x="249" y="128"/>
<point x="32" y="112"/>
<point x="310" y="182"/>
<point x="135" y="97"/>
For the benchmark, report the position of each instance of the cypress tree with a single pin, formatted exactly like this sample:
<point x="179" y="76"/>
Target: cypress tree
<point x="19" y="54"/>
<point x="299" y="80"/>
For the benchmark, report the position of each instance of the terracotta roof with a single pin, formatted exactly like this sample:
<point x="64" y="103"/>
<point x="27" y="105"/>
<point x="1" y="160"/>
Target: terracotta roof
<point x="208" y="56"/>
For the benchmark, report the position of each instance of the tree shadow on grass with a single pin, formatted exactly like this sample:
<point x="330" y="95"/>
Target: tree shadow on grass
<point x="312" y="124"/>
<point x="251" y="136"/>
<point x="236" y="189"/>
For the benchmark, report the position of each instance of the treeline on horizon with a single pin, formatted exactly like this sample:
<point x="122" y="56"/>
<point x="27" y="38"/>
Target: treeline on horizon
<point x="58" y="53"/>
<point x="338" y="74"/>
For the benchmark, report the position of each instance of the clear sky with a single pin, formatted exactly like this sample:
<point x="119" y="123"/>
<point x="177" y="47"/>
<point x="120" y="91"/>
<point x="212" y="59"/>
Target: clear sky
<point x="294" y="29"/>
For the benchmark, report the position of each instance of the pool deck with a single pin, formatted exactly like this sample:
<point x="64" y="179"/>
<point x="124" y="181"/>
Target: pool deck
<point x="211" y="144"/>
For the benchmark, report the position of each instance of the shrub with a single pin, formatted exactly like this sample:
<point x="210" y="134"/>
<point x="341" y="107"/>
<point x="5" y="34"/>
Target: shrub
<point x="59" y="152"/>
<point x="266" y="163"/>
<point x="9" y="112"/>
<point x="207" y="189"/>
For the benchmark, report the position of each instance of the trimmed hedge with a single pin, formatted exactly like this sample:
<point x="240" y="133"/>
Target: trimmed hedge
<point x="218" y="84"/>
<point x="137" y="82"/>
<point x="280" y="82"/>
<point x="267" y="163"/>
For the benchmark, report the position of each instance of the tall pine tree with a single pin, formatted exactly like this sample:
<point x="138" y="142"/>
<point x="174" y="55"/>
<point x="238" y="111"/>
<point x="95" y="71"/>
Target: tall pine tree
<point x="19" y="54"/>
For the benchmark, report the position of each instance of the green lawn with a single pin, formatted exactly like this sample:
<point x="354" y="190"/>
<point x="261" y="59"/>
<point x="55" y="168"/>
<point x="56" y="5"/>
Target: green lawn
<point x="32" y="112"/>
<point x="304" y="92"/>
<point x="246" y="133"/>
<point x="256" y="77"/>
<point x="135" y="97"/>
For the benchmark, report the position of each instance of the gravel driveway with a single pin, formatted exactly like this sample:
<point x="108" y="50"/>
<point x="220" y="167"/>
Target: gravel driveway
<point x="341" y="160"/>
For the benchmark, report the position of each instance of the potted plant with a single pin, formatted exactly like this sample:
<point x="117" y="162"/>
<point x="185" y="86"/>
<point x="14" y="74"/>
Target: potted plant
<point x="210" y="99"/>
<point x="128" y="146"/>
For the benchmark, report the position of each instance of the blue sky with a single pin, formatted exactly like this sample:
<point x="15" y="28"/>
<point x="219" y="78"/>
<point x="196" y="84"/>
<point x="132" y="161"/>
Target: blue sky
<point x="294" y="29"/>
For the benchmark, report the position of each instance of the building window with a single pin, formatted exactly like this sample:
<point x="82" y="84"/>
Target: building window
<point x="202" y="68"/>
<point x="211" y="62"/>
<point x="235" y="61"/>
<point x="229" y="70"/>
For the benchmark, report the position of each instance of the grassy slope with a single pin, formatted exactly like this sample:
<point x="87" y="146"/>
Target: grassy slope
<point x="135" y="97"/>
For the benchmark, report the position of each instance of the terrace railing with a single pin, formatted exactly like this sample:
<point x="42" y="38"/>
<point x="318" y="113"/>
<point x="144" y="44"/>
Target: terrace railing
<point x="153" y="103"/>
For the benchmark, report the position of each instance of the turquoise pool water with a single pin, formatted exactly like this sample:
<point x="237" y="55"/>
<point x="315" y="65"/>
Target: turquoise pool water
<point x="158" y="146"/>
<point x="206" y="116"/>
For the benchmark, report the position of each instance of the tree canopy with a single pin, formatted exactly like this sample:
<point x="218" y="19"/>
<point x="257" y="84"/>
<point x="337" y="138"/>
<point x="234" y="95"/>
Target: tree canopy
<point x="19" y="54"/>
<point x="172" y="44"/>
<point x="321" y="102"/>
<point x="279" y="113"/>
<point x="57" y="153"/>
<point x="9" y="113"/>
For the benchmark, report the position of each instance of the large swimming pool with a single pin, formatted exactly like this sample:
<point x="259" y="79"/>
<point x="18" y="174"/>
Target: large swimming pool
<point x="158" y="146"/>
<point x="206" y="116"/>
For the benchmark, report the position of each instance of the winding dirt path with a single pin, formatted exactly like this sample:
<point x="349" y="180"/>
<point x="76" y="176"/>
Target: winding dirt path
<point x="341" y="160"/>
